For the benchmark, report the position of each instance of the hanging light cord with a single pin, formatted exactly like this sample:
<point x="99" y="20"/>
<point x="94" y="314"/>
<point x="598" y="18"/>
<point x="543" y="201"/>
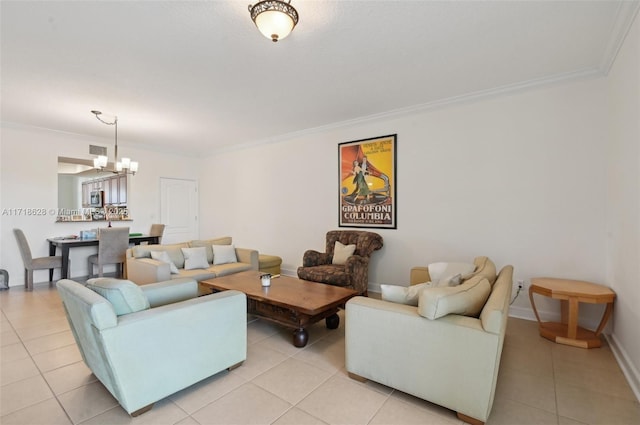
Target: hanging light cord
<point x="115" y="123"/>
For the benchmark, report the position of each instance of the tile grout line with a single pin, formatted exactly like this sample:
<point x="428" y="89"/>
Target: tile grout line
<point x="40" y="373"/>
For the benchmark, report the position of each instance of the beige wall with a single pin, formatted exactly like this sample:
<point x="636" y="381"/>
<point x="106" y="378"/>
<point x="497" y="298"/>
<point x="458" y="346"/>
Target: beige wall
<point x="623" y="202"/>
<point x="519" y="178"/>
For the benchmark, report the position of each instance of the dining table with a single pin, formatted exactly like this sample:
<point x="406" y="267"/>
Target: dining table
<point x="66" y="243"/>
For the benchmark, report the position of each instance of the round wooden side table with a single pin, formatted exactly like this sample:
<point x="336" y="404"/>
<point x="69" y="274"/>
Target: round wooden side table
<point x="571" y="293"/>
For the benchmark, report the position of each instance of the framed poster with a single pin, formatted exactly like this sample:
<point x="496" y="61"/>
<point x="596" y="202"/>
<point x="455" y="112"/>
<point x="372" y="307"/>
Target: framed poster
<point x="367" y="187"/>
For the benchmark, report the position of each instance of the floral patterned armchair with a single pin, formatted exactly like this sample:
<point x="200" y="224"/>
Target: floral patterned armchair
<point x="354" y="273"/>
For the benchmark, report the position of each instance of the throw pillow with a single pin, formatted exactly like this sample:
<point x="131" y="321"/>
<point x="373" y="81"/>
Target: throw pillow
<point x="195" y="258"/>
<point x="466" y="299"/>
<point x="223" y="254"/>
<point x="484" y="267"/>
<point x="125" y="296"/>
<point x="163" y="256"/>
<point x="342" y="252"/>
<point x="207" y="243"/>
<point x="444" y="274"/>
<point x="403" y="294"/>
<point x="174" y="251"/>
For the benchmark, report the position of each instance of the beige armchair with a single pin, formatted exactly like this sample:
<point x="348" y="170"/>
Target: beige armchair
<point x="353" y="273"/>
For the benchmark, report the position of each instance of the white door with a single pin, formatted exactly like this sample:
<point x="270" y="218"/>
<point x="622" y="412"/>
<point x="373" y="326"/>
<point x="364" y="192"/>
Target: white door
<point x="179" y="209"/>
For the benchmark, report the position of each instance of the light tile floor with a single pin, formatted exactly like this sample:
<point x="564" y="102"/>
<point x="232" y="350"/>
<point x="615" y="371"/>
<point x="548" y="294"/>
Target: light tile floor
<point x="44" y="381"/>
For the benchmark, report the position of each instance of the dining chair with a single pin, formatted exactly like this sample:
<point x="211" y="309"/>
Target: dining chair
<point x="112" y="247"/>
<point x="157" y="230"/>
<point x="38" y="263"/>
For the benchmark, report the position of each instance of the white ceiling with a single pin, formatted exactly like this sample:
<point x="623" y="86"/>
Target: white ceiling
<point x="199" y="77"/>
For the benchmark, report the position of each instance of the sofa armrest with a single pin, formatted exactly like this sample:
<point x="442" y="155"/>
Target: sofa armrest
<point x="170" y="291"/>
<point x="419" y="275"/>
<point x="314" y="258"/>
<point x="357" y="267"/>
<point x="249" y="256"/>
<point x="145" y="270"/>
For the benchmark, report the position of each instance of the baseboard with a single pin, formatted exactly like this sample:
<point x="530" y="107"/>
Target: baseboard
<point x="288" y="272"/>
<point x="628" y="369"/>
<point x="522" y="313"/>
<point x="374" y="287"/>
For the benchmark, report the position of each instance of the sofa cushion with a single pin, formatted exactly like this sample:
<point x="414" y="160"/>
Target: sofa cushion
<point x="466" y="299"/>
<point x="125" y="296"/>
<point x="229" y="268"/>
<point x="403" y="294"/>
<point x="342" y="252"/>
<point x="163" y="256"/>
<point x="195" y="258"/>
<point x="208" y="243"/>
<point x="333" y="274"/>
<point x="174" y="251"/>
<point x="223" y="254"/>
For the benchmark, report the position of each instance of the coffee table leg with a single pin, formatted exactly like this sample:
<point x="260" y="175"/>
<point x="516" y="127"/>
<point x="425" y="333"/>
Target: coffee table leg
<point x="332" y="321"/>
<point x="300" y="337"/>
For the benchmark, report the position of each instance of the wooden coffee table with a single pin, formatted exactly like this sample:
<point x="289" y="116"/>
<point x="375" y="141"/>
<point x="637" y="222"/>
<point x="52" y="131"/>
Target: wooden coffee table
<point x="289" y="301"/>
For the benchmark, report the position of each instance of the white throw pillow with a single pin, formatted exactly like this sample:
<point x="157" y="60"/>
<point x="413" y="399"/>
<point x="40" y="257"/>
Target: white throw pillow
<point x="403" y="294"/>
<point x="163" y="256"/>
<point x="445" y="274"/>
<point x="342" y="252"/>
<point x="223" y="254"/>
<point x="195" y="258"/>
<point x="466" y="299"/>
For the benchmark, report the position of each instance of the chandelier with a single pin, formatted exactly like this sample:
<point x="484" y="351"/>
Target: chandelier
<point x="275" y="19"/>
<point x="125" y="166"/>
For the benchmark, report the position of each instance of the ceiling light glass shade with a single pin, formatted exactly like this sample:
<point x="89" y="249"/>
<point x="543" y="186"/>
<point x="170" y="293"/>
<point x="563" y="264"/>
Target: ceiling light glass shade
<point x="133" y="166"/>
<point x="126" y="162"/>
<point x="100" y="162"/>
<point x="275" y="19"/>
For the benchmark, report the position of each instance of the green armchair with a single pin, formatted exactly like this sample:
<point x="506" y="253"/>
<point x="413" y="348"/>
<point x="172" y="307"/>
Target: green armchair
<point x="145" y="343"/>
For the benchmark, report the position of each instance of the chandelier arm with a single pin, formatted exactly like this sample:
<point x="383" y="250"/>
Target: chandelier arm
<point x="114" y="123"/>
<point x="106" y="122"/>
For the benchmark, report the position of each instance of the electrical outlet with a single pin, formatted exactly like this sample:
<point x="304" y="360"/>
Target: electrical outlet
<point x="520" y="284"/>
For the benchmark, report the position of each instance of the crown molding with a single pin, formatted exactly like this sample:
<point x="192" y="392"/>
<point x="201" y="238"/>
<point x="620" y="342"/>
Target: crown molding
<point x="88" y="138"/>
<point x="626" y="14"/>
<point x="415" y="109"/>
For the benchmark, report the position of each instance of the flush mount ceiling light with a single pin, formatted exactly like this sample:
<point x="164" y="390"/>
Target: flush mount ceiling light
<point x="274" y="18"/>
<point x="126" y="166"/>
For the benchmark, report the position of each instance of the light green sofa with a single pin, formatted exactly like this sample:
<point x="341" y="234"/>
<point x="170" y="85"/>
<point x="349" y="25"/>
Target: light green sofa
<point x="158" y="349"/>
<point x="451" y="361"/>
<point x="142" y="269"/>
